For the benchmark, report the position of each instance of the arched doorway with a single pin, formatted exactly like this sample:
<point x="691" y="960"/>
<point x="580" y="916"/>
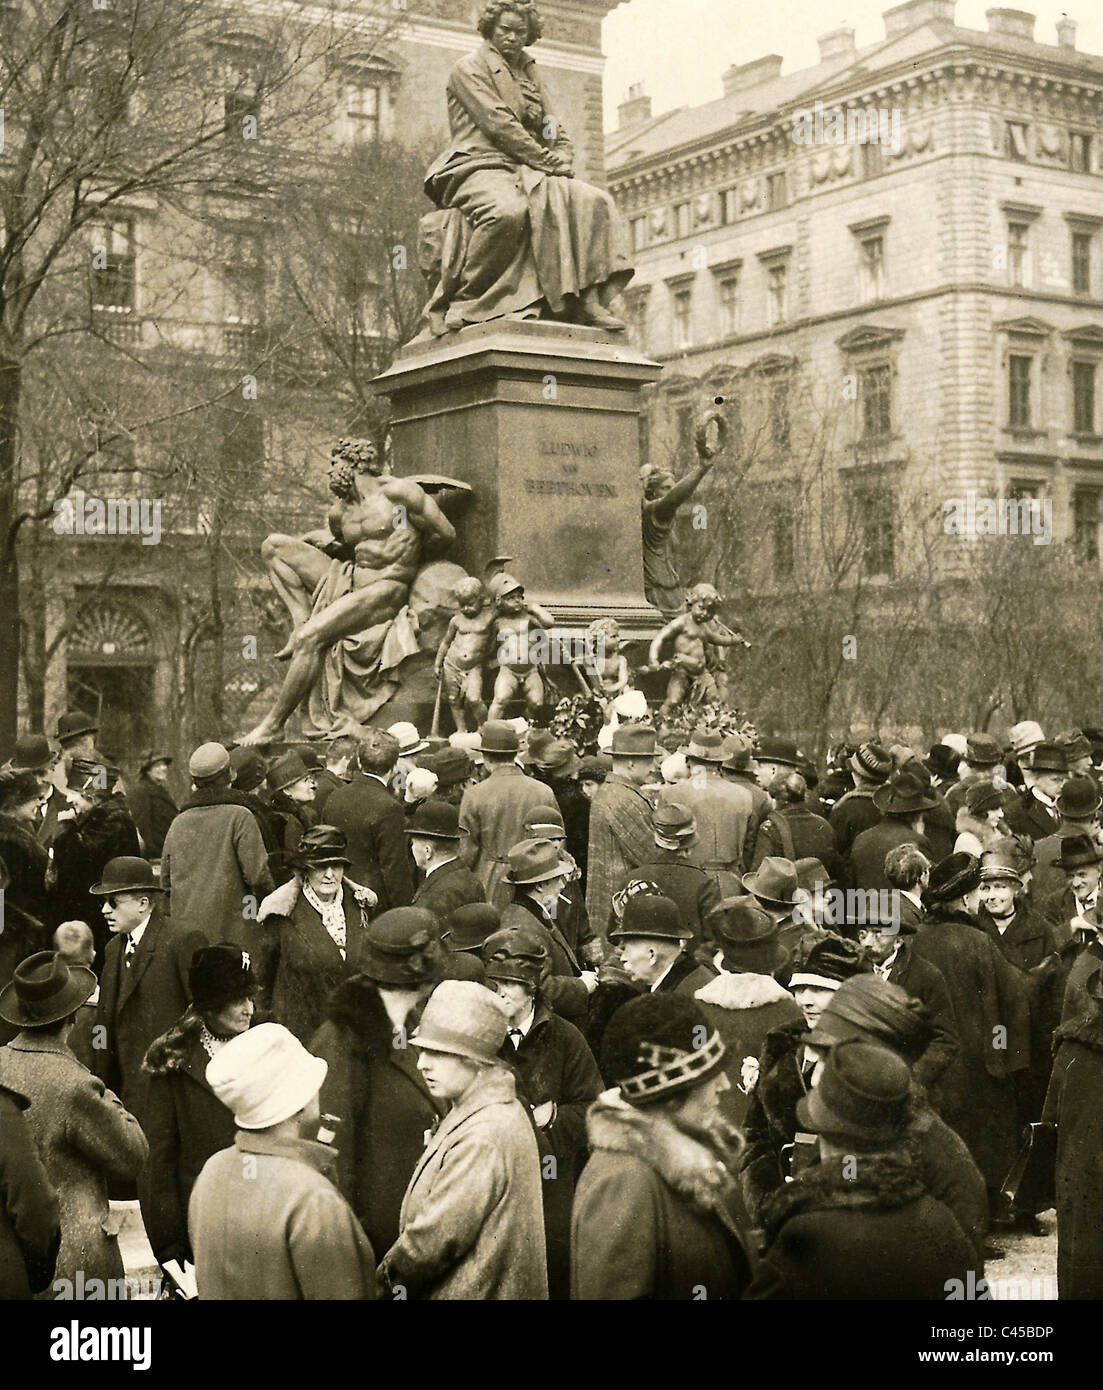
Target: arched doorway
<point x="109" y="674"/>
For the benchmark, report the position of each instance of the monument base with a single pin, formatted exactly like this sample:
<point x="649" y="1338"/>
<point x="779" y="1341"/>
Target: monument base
<point x="541" y="420"/>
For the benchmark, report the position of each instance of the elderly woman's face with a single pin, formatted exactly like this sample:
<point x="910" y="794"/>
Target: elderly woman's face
<point x="509" y="33"/>
<point x="325" y="879"/>
<point x="231" y="1019"/>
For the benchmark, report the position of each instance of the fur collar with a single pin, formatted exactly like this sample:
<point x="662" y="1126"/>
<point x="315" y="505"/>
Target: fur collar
<point x="215" y="796"/>
<point x="356" y="1006"/>
<point x="697" y="1167"/>
<point x="282" y="901"/>
<point x="876" y="1182"/>
<point x="742" y="991"/>
<point x="1086" y="1030"/>
<point x="171" y="1052"/>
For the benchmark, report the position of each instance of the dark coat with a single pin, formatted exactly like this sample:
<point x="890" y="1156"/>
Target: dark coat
<point x="686" y="976"/>
<point x="325" y="784"/>
<point x="873" y="1233"/>
<point x="867" y="854"/>
<point x="298" y="964"/>
<point x="1075" y="1105"/>
<point x="371" y="816"/>
<point x="564" y="990"/>
<point x="30" y="1224"/>
<point x="811" y="837"/>
<point x="26" y="862"/>
<point x="1027" y="943"/>
<point x="554" y="1063"/>
<point x="86" y="1140"/>
<point x="656" y="1214"/>
<point x="384" y="1106"/>
<point x="573" y="937"/>
<point x="1028" y="816"/>
<point x="771" y="1116"/>
<point x="153" y="809"/>
<point x="22" y="936"/>
<point x="83" y="847"/>
<point x="575" y="807"/>
<point x="692" y="889"/>
<point x="141" y="1001"/>
<point x="923" y="981"/>
<point x="185" y="1123"/>
<point x="992" y="1012"/>
<point x="850" y="815"/>
<point x="452" y="885"/>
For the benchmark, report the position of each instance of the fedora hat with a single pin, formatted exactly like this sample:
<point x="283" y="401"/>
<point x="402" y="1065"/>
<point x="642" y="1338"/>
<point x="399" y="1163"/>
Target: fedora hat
<point x="825" y="963"/>
<point x="208" y="760"/>
<point x="862" y="1094"/>
<point x="659" y="1044"/>
<point x="464" y="1019"/>
<point x="903" y="795"/>
<point x="1077" y="852"/>
<point x="409" y="740"/>
<point x="399" y="947"/>
<point x="435" y="820"/>
<point x="1075" y="743"/>
<point x="633" y="741"/>
<point x="779" y="750"/>
<point x="1046" y="757"/>
<point x="952" y="877"/>
<point x="871" y="761"/>
<point x="1079" y="799"/>
<point x="264" y="1076"/>
<point x="535" y="861"/>
<point x="774" y="882"/>
<point x="869" y="1007"/>
<point x="651" y="916"/>
<point x="286" y="771"/>
<point x="72" y="724"/>
<point x="470" y="925"/>
<point x="559" y="756"/>
<point x="32" y="753"/>
<point x="748" y="938"/>
<point x="451" y="766"/>
<point x="1025" y="737"/>
<point x="45" y="988"/>
<point x="496" y="736"/>
<point x="321" y="844"/>
<point x="126" y="874"/>
<point x="812" y="874"/>
<point x="706" y="746"/>
<point x="673" y="821"/>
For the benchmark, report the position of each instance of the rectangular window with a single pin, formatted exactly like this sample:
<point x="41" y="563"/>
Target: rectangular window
<point x="1080" y="152"/>
<point x="241" y="102"/>
<point x="871" y="160"/>
<point x="876" y="396"/>
<point x="114" y="263"/>
<point x="637" y="316"/>
<point x="871" y="280"/>
<point x="777" y="284"/>
<point x="243" y="278"/>
<point x="782" y="540"/>
<point x="1083" y="397"/>
<point x="1018" y="252"/>
<point x="639" y="233"/>
<point x="686" y="426"/>
<point x="683" y="219"/>
<point x="877" y="529"/>
<point x="779" y="414"/>
<point x="1081" y="262"/>
<point x="362" y="107"/>
<point x="1015" y="139"/>
<point x="729" y="206"/>
<point x="1023" y="489"/>
<point x="777" y="194"/>
<point x="683" y="319"/>
<point x="1085" y="523"/>
<point x="1019" y="413"/>
<point x="729" y="306"/>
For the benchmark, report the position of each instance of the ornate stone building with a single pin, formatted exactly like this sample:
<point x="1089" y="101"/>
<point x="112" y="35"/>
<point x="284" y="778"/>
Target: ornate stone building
<point x="912" y="231"/>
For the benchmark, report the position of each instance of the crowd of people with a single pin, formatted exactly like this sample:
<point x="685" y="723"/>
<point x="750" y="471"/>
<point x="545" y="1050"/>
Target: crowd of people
<point x="667" y="1013"/>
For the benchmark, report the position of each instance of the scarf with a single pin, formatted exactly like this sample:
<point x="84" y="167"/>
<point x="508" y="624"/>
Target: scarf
<point x="331" y="913"/>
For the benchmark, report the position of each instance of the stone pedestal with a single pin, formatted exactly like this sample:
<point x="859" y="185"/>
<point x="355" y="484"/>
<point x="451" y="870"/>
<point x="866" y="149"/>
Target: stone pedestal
<point x="541" y="421"/>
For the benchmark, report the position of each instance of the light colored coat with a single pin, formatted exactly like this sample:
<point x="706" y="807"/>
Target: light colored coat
<point x="472" y="1221"/>
<point x="724" y="811"/>
<point x="213" y="858"/>
<point x="492" y="819"/>
<point x="85" y="1139"/>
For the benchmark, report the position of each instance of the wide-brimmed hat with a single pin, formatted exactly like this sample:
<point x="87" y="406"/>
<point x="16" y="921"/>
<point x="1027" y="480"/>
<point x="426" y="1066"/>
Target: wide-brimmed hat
<point x="872" y="761"/>
<point x="43" y="989"/>
<point x="1014" y="851"/>
<point x="151" y="758"/>
<point x="633" y="741"/>
<point x="982" y="750"/>
<point x="812" y="874"/>
<point x="659" y="1044"/>
<point x="1024" y="737"/>
<point x="435" y="820"/>
<point x="264" y="1076"/>
<point x="496" y="736"/>
<point x="903" y="795"/>
<point x="953" y="877"/>
<point x="409" y="740"/>
<point x="72" y="724"/>
<point x="651" y="916"/>
<point x="706" y="746"/>
<point x="749" y="937"/>
<point x="464" y="1019"/>
<point x="321" y="844"/>
<point x="220" y="975"/>
<point x="867" y="1006"/>
<point x="1046" y="757"/>
<point x="399" y="947"/>
<point x="862" y="1094"/>
<point x="779" y="750"/>
<point x="286" y="771"/>
<point x="208" y="760"/>
<point x="982" y="797"/>
<point x="1079" y="799"/>
<point x="32" y="753"/>
<point x="1075" y="743"/>
<point x="535" y="861"/>
<point x="774" y="882"/>
<point x="451" y="766"/>
<point x="126" y="874"/>
<point x="517" y="953"/>
<point x="825" y="963"/>
<point x="469" y="926"/>
<point x="1078" y="851"/>
<point x="558" y="756"/>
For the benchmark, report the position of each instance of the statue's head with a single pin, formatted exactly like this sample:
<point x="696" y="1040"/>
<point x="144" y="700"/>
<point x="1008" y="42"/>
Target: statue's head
<point x="509" y="25"/>
<point x="657" y="482"/>
<point x="349" y="457"/>
<point x="469" y="595"/>
<point x="702" y="600"/>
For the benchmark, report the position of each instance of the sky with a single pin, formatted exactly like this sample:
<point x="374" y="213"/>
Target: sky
<point x="679" y="48"/>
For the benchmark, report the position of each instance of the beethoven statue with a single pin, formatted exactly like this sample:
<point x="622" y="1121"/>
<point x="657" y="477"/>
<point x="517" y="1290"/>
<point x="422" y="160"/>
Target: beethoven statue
<point x="517" y="233"/>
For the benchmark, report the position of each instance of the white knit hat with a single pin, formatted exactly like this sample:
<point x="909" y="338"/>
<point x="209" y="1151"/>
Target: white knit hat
<point x="265" y="1075"/>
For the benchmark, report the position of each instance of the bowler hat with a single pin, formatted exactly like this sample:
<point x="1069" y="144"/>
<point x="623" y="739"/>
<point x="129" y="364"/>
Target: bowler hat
<point x="779" y="750"/>
<point x="45" y="988"/>
<point x="673" y="821"/>
<point x="1078" y="851"/>
<point x="451" y="765"/>
<point x="321" y="844"/>
<point x="152" y="758"/>
<point x="903" y="795"/>
<point x="869" y="1007"/>
<point x="220" y="975"/>
<point x="1024" y="737"/>
<point x="208" y="760"/>
<point x="399" y="948"/>
<point x="544" y="823"/>
<point x="286" y="771"/>
<point x="409" y="740"/>
<point x="941" y="761"/>
<point x="825" y="962"/>
<point x="464" y="1019"/>
<point x="651" y="915"/>
<point x="264" y="1076"/>
<point x="1079" y="799"/>
<point x="774" y="882"/>
<point x="32" y="753"/>
<point x="633" y="741"/>
<point x="435" y="820"/>
<point x="862" y="1094"/>
<point x="496" y="736"/>
<point x="535" y="861"/>
<point x="982" y="797"/>
<point x="706" y="746"/>
<point x="659" y="1044"/>
<point x="953" y="877"/>
<point x="982" y="750"/>
<point x="516" y="953"/>
<point x="1046" y="757"/>
<point x="126" y="874"/>
<point x="748" y="937"/>
<point x="872" y="761"/>
<point x="72" y="724"/>
<point x="470" y="925"/>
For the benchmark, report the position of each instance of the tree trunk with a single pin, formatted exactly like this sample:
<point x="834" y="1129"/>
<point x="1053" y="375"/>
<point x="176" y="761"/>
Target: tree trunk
<point x="10" y="380"/>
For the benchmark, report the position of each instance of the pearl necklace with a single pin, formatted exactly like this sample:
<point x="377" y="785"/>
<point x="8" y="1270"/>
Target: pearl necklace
<point x="211" y="1041"/>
